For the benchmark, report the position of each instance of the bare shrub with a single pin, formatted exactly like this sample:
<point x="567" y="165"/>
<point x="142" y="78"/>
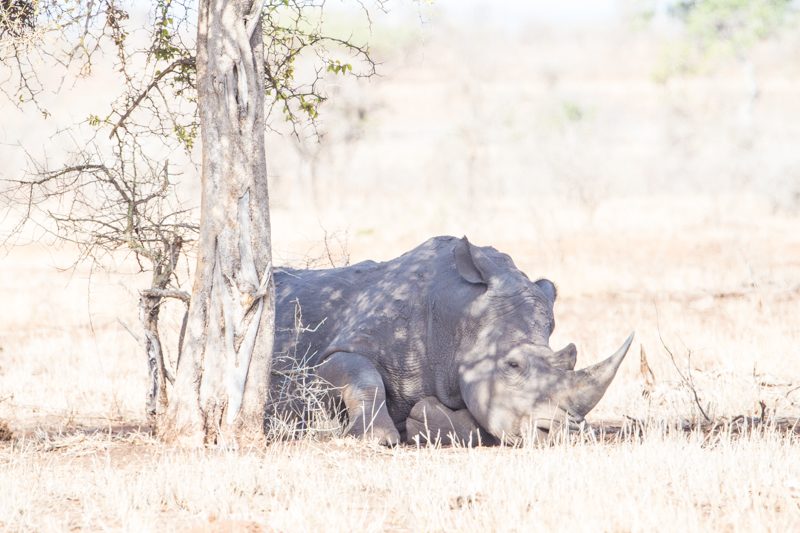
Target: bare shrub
<point x="299" y="405"/>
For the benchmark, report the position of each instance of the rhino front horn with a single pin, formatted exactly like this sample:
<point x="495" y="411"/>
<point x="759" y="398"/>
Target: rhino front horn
<point x="586" y="387"/>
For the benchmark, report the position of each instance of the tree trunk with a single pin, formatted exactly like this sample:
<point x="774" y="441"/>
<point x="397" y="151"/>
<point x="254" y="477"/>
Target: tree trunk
<point x="222" y="381"/>
<point x="157" y="389"/>
<point x="150" y="301"/>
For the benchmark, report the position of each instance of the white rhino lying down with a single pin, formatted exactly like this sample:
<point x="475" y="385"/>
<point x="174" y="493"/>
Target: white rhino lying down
<point x="450" y="334"/>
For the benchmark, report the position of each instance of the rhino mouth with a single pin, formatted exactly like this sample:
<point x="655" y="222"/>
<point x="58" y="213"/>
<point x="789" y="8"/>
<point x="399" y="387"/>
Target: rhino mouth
<point x="546" y="428"/>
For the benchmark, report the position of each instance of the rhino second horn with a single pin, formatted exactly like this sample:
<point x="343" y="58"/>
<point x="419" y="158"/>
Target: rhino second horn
<point x="586" y="387"/>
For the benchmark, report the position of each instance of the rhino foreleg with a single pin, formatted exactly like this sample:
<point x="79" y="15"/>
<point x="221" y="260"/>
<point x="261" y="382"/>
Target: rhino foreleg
<point x="432" y="422"/>
<point x="359" y="385"/>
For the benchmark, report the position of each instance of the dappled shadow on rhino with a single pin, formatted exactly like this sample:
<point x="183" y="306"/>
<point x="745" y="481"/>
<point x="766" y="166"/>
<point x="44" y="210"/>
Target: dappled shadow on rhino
<point x="448" y="339"/>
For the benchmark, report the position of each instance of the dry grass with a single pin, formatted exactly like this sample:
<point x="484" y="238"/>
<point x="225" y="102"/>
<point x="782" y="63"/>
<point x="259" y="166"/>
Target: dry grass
<point x="665" y="481"/>
<point x="654" y="212"/>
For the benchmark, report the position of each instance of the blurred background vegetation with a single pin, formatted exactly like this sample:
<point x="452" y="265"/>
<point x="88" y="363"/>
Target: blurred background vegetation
<point x="544" y="113"/>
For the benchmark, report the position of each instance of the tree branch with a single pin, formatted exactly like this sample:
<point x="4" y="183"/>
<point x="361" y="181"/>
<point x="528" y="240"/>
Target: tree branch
<point x="167" y="293"/>
<point x="170" y="68"/>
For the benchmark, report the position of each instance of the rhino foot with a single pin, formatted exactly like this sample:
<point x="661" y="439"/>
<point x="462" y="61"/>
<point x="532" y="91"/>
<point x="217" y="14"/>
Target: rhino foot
<point x="432" y="422"/>
<point x="383" y="435"/>
<point x="358" y="384"/>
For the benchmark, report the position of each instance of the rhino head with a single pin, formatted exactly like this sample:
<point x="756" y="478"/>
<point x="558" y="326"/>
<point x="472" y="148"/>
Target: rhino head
<point x="509" y="378"/>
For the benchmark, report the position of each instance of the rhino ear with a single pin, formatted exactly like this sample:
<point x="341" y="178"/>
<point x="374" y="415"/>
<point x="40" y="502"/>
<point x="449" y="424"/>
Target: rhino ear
<point x="466" y="265"/>
<point x="548" y="288"/>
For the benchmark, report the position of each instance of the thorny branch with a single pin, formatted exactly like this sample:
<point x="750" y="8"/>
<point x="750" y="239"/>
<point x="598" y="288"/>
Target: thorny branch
<point x="290" y="36"/>
<point x="687" y="380"/>
<point x="184" y="62"/>
<point x="118" y="194"/>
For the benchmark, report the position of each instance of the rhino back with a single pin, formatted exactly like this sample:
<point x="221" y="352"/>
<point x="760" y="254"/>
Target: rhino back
<point x="380" y="310"/>
<point x="310" y="305"/>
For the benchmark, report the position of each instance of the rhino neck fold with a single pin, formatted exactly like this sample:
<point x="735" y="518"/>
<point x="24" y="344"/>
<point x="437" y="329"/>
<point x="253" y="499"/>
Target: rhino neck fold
<point x="440" y="355"/>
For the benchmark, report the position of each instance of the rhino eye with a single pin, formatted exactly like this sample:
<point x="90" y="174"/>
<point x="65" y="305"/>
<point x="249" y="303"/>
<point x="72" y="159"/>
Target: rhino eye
<point x="513" y="370"/>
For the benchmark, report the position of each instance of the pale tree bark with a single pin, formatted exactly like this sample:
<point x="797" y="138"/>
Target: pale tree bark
<point x="222" y="380"/>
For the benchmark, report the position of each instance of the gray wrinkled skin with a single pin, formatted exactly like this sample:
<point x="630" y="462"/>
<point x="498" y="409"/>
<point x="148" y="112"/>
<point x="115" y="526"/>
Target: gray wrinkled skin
<point x="447" y="327"/>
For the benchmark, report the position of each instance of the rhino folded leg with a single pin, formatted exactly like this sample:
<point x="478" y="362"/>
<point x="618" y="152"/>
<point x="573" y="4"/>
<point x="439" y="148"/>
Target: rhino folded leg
<point x="359" y="385"/>
<point x="433" y="422"/>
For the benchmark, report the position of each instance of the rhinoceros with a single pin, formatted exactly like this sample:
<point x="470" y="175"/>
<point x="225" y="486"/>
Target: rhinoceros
<point x="450" y="335"/>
